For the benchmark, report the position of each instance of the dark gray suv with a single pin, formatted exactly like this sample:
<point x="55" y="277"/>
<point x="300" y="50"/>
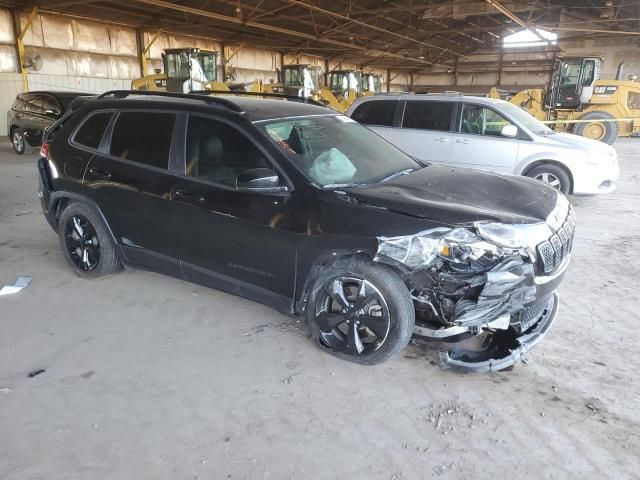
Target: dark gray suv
<point x="32" y="113"/>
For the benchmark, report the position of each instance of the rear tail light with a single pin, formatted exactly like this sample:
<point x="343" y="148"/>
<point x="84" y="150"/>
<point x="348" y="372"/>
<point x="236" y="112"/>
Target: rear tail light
<point x="44" y="150"/>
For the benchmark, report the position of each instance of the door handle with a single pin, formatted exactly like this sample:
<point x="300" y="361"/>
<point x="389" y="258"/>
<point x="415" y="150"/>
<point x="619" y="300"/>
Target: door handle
<point x="464" y="140"/>
<point x="193" y="196"/>
<point x="443" y="139"/>
<point x="96" y="172"/>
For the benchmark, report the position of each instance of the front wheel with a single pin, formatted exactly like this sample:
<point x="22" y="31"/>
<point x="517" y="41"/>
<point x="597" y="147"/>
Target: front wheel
<point x="360" y="311"/>
<point x="552" y="175"/>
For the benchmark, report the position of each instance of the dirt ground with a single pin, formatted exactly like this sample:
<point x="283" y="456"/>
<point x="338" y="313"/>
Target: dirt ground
<point x="148" y="377"/>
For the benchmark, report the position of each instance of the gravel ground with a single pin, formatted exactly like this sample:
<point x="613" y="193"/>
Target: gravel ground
<point x="151" y="377"/>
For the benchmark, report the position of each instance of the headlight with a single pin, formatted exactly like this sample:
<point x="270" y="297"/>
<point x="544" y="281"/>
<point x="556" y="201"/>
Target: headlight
<point x="513" y="235"/>
<point x="422" y="249"/>
<point x="600" y="157"/>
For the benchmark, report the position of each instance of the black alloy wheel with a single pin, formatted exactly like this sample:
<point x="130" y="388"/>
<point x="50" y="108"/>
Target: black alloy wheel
<point x="81" y="242"/>
<point x="352" y="316"/>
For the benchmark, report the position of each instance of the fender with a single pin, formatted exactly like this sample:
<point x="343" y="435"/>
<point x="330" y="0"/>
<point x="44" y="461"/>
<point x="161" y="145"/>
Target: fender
<point x="323" y="261"/>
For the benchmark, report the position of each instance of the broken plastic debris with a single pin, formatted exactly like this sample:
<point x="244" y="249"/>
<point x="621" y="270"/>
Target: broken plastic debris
<point x="20" y="283"/>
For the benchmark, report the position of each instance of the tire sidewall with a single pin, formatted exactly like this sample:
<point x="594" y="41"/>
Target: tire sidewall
<point x="108" y="257"/>
<point x="24" y="142"/>
<point x="396" y="296"/>
<point x="611" y="128"/>
<point x="558" y="172"/>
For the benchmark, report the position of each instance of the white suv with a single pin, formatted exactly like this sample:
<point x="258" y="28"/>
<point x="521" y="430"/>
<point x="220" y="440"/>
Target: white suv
<point x="488" y="134"/>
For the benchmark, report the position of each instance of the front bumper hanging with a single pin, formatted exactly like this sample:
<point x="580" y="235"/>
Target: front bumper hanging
<point x="506" y="350"/>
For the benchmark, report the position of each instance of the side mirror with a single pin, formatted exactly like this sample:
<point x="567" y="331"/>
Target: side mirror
<point x="259" y="179"/>
<point x="510" y="131"/>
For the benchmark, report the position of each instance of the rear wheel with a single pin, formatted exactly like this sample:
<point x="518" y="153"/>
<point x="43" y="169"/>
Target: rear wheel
<point x="605" y="131"/>
<point x="20" y="144"/>
<point x="361" y="312"/>
<point x="552" y="175"/>
<point x="85" y="242"/>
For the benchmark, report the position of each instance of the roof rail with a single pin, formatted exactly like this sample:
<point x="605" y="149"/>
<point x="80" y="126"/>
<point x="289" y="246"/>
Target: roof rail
<point x="223" y="102"/>
<point x="292" y="98"/>
<point x="453" y="93"/>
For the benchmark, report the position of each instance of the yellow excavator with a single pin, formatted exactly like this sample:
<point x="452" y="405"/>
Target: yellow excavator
<point x="187" y="70"/>
<point x="577" y="101"/>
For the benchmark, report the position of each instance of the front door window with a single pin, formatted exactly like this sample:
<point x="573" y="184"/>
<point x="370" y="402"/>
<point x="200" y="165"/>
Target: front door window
<point x="479" y="120"/>
<point x="219" y="153"/>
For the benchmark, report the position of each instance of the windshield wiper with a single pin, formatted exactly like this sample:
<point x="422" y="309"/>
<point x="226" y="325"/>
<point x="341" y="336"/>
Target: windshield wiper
<point x="343" y="185"/>
<point x="397" y="174"/>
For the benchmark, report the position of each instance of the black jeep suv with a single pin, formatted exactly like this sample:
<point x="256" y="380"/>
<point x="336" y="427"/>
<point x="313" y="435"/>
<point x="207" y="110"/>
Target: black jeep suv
<point x="294" y="205"/>
<point x="32" y="113"/>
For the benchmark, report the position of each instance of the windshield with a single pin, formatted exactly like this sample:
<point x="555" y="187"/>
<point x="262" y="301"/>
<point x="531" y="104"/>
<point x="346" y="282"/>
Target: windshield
<point x="205" y="65"/>
<point x="293" y="76"/>
<point x="529" y="121"/>
<point x="342" y="82"/>
<point x="336" y="151"/>
<point x="177" y="65"/>
<point x="201" y="66"/>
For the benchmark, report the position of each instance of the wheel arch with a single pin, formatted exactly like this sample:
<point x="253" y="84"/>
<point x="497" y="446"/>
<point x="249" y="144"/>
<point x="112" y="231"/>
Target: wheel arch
<point x="323" y="261"/>
<point x="537" y="163"/>
<point x="61" y="199"/>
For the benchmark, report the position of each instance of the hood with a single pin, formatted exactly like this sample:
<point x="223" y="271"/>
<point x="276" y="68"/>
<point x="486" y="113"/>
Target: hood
<point x="460" y="196"/>
<point x="577" y="142"/>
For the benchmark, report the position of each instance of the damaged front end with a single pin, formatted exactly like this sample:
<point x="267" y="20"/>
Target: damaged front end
<point x="490" y="285"/>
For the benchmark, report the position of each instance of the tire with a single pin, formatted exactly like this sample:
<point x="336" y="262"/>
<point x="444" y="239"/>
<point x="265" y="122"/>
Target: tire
<point x="81" y="230"/>
<point x="20" y="144"/>
<point x="606" y="132"/>
<point x="380" y="319"/>
<point x="553" y="175"/>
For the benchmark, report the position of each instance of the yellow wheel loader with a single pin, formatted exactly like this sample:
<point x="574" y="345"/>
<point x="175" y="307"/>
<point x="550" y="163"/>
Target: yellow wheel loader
<point x="187" y="70"/>
<point x="577" y="101"/>
<point x="298" y="80"/>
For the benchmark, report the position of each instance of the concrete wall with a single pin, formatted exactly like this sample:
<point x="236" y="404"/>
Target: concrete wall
<point x="614" y="50"/>
<point x="530" y="67"/>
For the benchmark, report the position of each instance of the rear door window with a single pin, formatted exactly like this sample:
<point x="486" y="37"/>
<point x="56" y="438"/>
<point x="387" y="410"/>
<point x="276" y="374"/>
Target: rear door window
<point x="428" y="115"/>
<point x="376" y="112"/>
<point x="143" y="137"/>
<point x="91" y="132"/>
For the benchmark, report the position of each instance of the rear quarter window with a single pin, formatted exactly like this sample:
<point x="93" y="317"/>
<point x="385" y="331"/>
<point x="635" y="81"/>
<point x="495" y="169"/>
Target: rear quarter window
<point x="92" y="130"/>
<point x="19" y="103"/>
<point x="143" y="137"/>
<point x="34" y="104"/>
<point x="376" y="112"/>
<point x="428" y="115"/>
